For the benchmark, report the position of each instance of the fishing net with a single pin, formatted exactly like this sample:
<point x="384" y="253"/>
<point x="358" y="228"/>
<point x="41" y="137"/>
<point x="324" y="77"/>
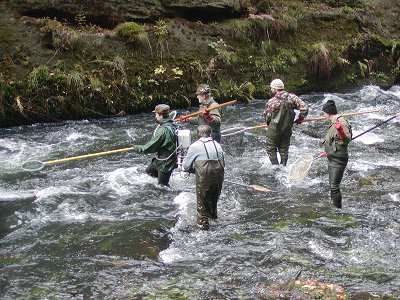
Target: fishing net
<point x="233" y="141"/>
<point x="299" y="169"/>
<point x="33" y="165"/>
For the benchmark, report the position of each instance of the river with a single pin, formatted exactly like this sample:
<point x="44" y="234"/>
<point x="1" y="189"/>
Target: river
<point x="102" y="229"/>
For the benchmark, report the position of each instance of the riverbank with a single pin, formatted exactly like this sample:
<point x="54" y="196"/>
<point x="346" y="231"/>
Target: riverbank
<point x="62" y="61"/>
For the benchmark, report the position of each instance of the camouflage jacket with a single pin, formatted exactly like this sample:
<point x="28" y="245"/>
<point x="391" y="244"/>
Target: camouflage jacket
<point x="279" y="112"/>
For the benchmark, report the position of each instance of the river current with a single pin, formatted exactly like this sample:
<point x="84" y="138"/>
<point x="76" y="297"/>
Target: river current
<point x="103" y="229"/>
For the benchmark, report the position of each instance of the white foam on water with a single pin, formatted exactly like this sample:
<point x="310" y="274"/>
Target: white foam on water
<point x="186" y="203"/>
<point x="320" y="250"/>
<point x="121" y="180"/>
<point x="368" y="138"/>
<point x="76" y="136"/>
<point x="70" y="212"/>
<point x="360" y="165"/>
<point x="370" y="92"/>
<point x="395" y="197"/>
<point x="171" y="255"/>
<point x="51" y="192"/>
<point x="186" y="210"/>
<point x="16" y="195"/>
<point x="333" y="97"/>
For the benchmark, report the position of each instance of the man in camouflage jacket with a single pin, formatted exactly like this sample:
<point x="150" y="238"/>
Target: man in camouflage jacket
<point x="279" y="114"/>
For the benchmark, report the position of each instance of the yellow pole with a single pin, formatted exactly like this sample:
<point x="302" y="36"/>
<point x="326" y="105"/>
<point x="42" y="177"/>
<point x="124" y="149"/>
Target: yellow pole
<point x="57" y="161"/>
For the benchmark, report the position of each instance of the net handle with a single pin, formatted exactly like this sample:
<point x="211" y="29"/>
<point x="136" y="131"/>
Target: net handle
<point x="181" y="118"/>
<point x="246" y="129"/>
<point x="341" y="115"/>
<point x="42" y="164"/>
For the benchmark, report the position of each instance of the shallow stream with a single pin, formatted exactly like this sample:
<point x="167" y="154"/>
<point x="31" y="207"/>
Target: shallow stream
<point x="103" y="229"/>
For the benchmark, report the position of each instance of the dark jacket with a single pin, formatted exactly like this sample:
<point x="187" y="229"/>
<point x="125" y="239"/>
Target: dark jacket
<point x="164" y="143"/>
<point x="215" y="113"/>
<point x="334" y="146"/>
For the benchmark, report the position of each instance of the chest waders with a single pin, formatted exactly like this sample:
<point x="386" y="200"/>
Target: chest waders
<point x="279" y="133"/>
<point x="209" y="180"/>
<point x="337" y="162"/>
<point x="165" y="161"/>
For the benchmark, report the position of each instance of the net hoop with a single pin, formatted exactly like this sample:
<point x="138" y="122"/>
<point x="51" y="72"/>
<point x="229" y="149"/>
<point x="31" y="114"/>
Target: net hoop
<point x="300" y="168"/>
<point x="173" y="114"/>
<point x="33" y="165"/>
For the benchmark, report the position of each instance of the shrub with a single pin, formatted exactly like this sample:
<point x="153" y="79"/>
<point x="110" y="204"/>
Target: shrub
<point x="131" y="32"/>
<point x="320" y="62"/>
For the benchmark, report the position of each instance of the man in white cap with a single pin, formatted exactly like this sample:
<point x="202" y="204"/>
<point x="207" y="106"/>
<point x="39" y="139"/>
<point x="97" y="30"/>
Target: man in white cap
<point x="279" y="114"/>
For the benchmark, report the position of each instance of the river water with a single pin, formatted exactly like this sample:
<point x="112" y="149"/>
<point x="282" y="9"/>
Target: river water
<point x="102" y="229"/>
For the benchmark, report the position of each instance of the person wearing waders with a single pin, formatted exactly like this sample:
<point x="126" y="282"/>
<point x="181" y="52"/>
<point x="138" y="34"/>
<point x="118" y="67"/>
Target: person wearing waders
<point x="163" y="143"/>
<point x="205" y="158"/>
<point x="207" y="116"/>
<point x="279" y="115"/>
<point x="336" y="142"/>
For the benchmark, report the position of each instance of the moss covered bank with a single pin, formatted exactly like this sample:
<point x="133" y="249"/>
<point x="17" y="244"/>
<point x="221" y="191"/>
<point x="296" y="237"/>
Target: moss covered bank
<point x="63" y="60"/>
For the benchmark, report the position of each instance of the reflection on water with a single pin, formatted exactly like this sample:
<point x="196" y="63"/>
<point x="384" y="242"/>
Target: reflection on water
<point x="101" y="228"/>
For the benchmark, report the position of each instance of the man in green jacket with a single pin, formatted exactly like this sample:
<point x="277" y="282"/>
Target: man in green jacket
<point x="208" y="117"/>
<point x="279" y="114"/>
<point x="336" y="142"/>
<point x="163" y="143"/>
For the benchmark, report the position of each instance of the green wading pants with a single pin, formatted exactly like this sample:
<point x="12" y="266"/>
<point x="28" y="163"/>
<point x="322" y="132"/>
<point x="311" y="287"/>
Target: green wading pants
<point x="153" y="171"/>
<point x="336" y="167"/>
<point x="278" y="143"/>
<point x="209" y="179"/>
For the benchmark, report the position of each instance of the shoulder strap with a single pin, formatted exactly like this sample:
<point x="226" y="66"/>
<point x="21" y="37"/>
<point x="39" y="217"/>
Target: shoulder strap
<point x="205" y="148"/>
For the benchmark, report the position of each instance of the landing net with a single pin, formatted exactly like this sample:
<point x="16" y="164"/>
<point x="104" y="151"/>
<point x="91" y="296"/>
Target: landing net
<point x="33" y="165"/>
<point x="299" y="169"/>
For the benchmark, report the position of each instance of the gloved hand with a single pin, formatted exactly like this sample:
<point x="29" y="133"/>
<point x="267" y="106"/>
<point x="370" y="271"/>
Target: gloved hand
<point x="340" y="130"/>
<point x="322" y="154"/>
<point x="299" y="119"/>
<point x="207" y="116"/>
<point x="187" y="119"/>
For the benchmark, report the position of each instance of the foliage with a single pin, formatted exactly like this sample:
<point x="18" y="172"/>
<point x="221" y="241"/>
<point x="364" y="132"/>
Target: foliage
<point x="62" y="37"/>
<point x="161" y="32"/>
<point x="232" y="90"/>
<point x="132" y="32"/>
<point x="224" y="53"/>
<point x="320" y="65"/>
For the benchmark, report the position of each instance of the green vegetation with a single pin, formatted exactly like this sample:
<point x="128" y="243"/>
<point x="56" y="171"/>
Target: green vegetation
<point x="132" y="32"/>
